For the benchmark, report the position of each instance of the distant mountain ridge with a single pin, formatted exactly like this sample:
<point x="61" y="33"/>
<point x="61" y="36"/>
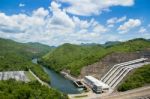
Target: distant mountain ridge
<point x="111" y="43"/>
<point x="31" y="49"/>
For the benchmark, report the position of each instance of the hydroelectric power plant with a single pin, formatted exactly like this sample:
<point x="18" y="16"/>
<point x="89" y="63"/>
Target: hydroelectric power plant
<point x="114" y="76"/>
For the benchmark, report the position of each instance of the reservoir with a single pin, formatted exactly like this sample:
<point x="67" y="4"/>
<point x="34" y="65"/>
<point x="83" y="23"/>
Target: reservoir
<point x="59" y="82"/>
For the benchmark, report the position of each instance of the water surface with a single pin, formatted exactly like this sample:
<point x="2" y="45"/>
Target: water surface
<point x="59" y="82"/>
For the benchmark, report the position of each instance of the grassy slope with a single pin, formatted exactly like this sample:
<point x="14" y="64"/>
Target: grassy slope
<point x="74" y="57"/>
<point x="19" y="90"/>
<point x="139" y="78"/>
<point x="17" y="56"/>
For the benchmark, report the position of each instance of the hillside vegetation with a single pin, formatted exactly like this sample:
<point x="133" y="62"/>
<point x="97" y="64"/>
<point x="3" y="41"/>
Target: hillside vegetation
<point x="28" y="50"/>
<point x="39" y="49"/>
<point x="17" y="56"/>
<point x="75" y="57"/>
<point x="33" y="90"/>
<point x="139" y="78"/>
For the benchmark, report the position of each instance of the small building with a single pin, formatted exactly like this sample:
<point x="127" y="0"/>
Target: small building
<point x="96" y="85"/>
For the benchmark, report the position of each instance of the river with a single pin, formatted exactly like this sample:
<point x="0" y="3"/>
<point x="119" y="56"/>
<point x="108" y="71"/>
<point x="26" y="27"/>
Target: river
<point x="59" y="82"/>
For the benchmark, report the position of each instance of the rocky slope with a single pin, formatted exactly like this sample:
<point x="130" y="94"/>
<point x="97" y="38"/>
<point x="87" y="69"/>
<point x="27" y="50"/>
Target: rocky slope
<point x="98" y="69"/>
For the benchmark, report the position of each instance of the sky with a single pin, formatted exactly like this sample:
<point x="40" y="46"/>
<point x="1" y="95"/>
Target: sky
<point x="55" y="22"/>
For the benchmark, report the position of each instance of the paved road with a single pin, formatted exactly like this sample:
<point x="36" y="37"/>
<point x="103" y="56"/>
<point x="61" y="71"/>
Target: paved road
<point x="131" y="94"/>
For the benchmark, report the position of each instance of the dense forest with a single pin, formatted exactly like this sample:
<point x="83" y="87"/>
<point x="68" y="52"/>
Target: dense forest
<point x="12" y="89"/>
<point x="75" y="57"/>
<point x="28" y="50"/>
<point x="17" y="56"/>
<point x="139" y="78"/>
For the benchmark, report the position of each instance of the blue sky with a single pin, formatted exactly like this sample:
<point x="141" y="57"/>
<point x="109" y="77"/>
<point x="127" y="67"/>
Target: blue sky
<point x="74" y="21"/>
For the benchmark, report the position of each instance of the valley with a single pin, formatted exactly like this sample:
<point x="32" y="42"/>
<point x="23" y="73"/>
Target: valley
<point x="76" y="60"/>
<point x="74" y="49"/>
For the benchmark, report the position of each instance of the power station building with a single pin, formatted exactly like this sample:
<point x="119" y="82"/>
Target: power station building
<point x="114" y="76"/>
<point x="96" y="85"/>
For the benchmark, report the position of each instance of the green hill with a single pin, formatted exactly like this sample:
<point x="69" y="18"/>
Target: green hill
<point x="28" y="50"/>
<point x="75" y="57"/>
<point x="17" y="56"/>
<point x="131" y="46"/>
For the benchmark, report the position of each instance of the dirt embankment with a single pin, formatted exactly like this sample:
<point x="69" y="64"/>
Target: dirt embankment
<point x="98" y="69"/>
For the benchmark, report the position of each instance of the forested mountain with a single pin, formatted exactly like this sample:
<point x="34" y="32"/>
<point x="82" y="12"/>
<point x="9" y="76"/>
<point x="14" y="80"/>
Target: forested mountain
<point x="26" y="49"/>
<point x="75" y="57"/>
<point x="111" y="43"/>
<point x="39" y="49"/>
<point x="17" y="56"/>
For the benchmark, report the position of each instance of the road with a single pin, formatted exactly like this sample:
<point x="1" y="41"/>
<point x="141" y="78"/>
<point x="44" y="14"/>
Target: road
<point x="39" y="80"/>
<point x="131" y="94"/>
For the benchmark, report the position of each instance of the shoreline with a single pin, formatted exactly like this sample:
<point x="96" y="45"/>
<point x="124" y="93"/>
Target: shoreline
<point x="39" y="80"/>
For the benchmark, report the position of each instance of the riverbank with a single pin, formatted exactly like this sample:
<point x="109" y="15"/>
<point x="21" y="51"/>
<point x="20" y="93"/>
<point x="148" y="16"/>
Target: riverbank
<point x="39" y="80"/>
<point x="59" y="82"/>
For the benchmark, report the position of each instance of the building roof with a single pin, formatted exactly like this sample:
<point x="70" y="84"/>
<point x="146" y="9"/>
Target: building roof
<point x="97" y="82"/>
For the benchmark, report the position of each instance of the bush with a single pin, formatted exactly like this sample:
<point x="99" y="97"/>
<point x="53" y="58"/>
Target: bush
<point x="12" y="89"/>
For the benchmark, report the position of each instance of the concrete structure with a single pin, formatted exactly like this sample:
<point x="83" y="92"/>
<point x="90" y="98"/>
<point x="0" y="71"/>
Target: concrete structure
<point x="17" y="75"/>
<point x="68" y="76"/>
<point x="105" y="77"/>
<point x="79" y="84"/>
<point x="96" y="84"/>
<point x="119" y="71"/>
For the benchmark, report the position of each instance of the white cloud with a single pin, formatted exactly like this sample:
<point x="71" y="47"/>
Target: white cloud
<point x="116" y="20"/>
<point x="90" y="7"/>
<point x="99" y="28"/>
<point x="121" y="19"/>
<point x="52" y="27"/>
<point x="130" y="24"/>
<point x="142" y="30"/>
<point x="112" y="20"/>
<point x="21" y="5"/>
<point x="110" y="25"/>
<point x="60" y="18"/>
<point x="40" y="12"/>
